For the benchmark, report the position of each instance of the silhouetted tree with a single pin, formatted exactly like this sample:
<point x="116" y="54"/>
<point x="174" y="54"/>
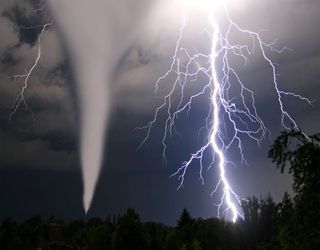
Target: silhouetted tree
<point x="184" y="219"/>
<point x="157" y="234"/>
<point x="9" y="237"/>
<point x="260" y="223"/>
<point x="98" y="237"/>
<point x="196" y="245"/>
<point x="301" y="155"/>
<point x="129" y="233"/>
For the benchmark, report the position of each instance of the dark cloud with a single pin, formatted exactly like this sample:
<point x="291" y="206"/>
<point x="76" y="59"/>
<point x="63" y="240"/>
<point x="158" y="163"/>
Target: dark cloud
<point x="56" y="141"/>
<point x="45" y="138"/>
<point x="22" y="22"/>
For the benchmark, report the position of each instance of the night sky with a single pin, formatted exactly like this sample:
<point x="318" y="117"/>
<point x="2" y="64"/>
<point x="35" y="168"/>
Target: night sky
<point x="39" y="153"/>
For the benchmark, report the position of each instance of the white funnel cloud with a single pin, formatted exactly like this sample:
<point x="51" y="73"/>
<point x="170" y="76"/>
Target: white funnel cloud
<point x="97" y="33"/>
<point x="94" y="105"/>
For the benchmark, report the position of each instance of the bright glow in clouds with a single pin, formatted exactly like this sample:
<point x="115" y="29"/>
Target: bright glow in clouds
<point x="201" y="4"/>
<point x="98" y="33"/>
<point x="209" y="5"/>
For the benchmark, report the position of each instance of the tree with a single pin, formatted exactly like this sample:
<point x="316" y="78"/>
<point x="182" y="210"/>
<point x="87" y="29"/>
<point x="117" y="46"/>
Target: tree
<point x="196" y="245"/>
<point x="9" y="238"/>
<point x="260" y="220"/>
<point x="98" y="237"/>
<point x="184" y="219"/>
<point x="301" y="155"/>
<point x="129" y="233"/>
<point x="157" y="234"/>
<point x="285" y="208"/>
<point x="183" y="233"/>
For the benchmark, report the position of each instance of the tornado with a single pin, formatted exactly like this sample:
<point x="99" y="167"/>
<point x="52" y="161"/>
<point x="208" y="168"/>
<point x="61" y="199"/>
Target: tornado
<point x="96" y="34"/>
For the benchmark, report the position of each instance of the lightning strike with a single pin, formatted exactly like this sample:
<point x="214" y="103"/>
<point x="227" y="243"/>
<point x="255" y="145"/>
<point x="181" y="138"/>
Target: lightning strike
<point x="20" y="99"/>
<point x="230" y="117"/>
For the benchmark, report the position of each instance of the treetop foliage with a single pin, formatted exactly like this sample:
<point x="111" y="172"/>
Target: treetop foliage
<point x="301" y="153"/>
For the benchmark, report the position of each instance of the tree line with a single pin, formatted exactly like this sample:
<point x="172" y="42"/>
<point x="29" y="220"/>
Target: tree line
<point x="291" y="224"/>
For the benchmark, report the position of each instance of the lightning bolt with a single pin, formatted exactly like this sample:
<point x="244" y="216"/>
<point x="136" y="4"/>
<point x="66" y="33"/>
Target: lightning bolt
<point x="20" y="99"/>
<point x="230" y="118"/>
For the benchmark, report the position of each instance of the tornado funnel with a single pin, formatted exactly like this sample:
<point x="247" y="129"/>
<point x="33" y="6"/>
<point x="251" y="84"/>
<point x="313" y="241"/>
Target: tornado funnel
<point x="96" y="33"/>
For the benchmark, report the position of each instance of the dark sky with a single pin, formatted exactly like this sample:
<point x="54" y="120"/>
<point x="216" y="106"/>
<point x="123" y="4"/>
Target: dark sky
<point x="39" y="158"/>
